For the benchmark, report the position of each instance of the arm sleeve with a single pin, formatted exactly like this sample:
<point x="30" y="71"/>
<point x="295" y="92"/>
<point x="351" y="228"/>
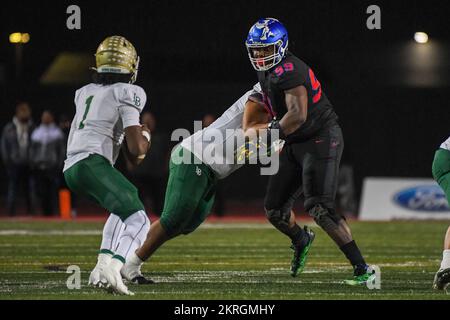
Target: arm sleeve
<point x="129" y="116"/>
<point x="132" y="101"/>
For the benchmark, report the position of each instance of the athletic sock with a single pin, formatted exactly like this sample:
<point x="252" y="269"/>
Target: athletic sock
<point x="298" y="235"/>
<point x="133" y="235"/>
<point x="445" y="264"/>
<point x="111" y="232"/>
<point x="116" y="264"/>
<point x="355" y="257"/>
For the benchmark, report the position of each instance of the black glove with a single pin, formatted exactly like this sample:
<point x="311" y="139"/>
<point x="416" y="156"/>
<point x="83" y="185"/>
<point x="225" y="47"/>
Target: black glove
<point x="275" y="124"/>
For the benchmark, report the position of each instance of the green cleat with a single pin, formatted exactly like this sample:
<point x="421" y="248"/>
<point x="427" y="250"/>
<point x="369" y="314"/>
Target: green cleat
<point x="442" y="280"/>
<point x="361" y="279"/>
<point x="301" y="253"/>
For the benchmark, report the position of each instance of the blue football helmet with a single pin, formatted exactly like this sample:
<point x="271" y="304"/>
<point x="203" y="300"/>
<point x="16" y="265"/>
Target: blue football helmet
<point x="266" y="43"/>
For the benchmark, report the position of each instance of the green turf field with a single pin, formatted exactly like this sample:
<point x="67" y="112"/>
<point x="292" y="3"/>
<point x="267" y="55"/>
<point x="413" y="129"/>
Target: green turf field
<point x="224" y="261"/>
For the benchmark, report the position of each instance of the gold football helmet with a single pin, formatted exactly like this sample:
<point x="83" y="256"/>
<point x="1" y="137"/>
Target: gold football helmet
<point x="117" y="55"/>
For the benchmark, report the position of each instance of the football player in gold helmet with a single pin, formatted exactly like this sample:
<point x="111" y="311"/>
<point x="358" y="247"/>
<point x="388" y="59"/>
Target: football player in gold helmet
<point x="107" y="113"/>
<point x="116" y="55"/>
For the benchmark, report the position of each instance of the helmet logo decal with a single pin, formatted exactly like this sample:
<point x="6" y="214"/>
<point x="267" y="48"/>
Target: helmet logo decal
<point x="136" y="100"/>
<point x="265" y="29"/>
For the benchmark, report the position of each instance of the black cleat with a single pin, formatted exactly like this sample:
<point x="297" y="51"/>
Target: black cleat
<point x="442" y="279"/>
<point x="142" y="280"/>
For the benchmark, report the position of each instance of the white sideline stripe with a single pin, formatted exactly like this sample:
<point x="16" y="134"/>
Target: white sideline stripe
<point x="75" y="232"/>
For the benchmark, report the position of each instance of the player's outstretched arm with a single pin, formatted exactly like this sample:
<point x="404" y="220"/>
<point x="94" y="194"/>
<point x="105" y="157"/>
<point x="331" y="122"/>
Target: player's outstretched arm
<point x="255" y="118"/>
<point x="297" y="105"/>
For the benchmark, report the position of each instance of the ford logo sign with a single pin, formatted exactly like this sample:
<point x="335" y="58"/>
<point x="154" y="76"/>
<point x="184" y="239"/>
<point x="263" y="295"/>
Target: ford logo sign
<point x="422" y="198"/>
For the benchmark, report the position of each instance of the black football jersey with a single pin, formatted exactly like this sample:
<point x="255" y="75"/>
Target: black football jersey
<point x="290" y="73"/>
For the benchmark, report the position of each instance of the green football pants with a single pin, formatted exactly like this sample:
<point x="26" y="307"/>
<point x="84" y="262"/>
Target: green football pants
<point x="97" y="179"/>
<point x="441" y="170"/>
<point x="189" y="196"/>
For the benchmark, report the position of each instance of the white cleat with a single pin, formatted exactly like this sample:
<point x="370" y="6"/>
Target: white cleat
<point x="95" y="278"/>
<point x="111" y="272"/>
<point x="131" y="270"/>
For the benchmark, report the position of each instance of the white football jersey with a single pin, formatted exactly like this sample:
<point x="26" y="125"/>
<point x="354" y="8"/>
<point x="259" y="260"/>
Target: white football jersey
<point x="217" y="135"/>
<point x="102" y="114"/>
<point x="446" y="144"/>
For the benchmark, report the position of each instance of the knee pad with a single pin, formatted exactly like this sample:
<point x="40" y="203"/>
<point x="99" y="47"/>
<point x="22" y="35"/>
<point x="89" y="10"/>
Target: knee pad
<point x="324" y="217"/>
<point x="279" y="217"/>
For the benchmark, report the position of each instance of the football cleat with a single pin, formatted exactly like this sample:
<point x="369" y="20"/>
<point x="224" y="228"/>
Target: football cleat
<point x="95" y="278"/>
<point x="142" y="280"/>
<point x="361" y="279"/>
<point x="132" y="272"/>
<point x="111" y="272"/>
<point x="442" y="279"/>
<point x="301" y="254"/>
<point x="116" y="54"/>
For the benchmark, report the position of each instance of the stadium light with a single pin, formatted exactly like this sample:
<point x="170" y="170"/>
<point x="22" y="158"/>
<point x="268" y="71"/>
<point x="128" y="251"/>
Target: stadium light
<point x="421" y="37"/>
<point x="18" y="37"/>
<point x="15" y="37"/>
<point x="25" y="37"/>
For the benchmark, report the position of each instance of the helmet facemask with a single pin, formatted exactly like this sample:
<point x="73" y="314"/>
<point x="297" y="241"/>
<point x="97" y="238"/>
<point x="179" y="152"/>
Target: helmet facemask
<point x="136" y="69"/>
<point x="265" y="56"/>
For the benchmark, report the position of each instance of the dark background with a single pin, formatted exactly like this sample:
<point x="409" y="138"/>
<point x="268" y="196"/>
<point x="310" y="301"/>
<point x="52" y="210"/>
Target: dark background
<point x="392" y="95"/>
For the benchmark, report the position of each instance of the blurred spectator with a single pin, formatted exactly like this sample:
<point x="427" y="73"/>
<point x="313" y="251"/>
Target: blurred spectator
<point x="65" y="122"/>
<point x="15" y="145"/>
<point x="208" y="119"/>
<point x="219" y="202"/>
<point x="151" y="175"/>
<point x="47" y="149"/>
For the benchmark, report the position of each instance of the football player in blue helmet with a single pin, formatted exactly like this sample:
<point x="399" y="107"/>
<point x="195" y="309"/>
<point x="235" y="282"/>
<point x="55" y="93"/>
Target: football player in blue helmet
<point x="267" y="43"/>
<point x="309" y="162"/>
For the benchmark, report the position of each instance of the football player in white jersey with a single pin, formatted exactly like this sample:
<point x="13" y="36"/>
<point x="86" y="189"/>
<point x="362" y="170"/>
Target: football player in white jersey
<point x="441" y="173"/>
<point x="107" y="111"/>
<point x="192" y="184"/>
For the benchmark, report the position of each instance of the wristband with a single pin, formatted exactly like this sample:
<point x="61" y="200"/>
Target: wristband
<point x="275" y="124"/>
